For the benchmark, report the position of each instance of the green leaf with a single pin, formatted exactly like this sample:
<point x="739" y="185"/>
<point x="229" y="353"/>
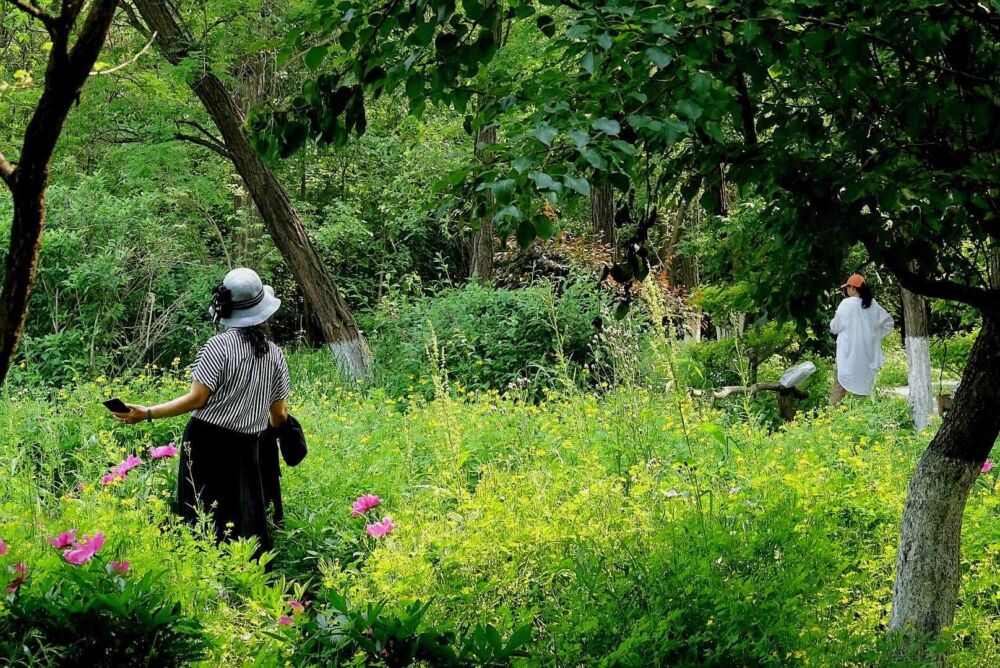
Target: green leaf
<point x="314" y="57"/>
<point x="701" y="83"/>
<point x="715" y="432"/>
<point x="509" y="211"/>
<point x="579" y="137"/>
<point x="605" y="41"/>
<point x="415" y="86"/>
<point x="503" y="189"/>
<point x="521" y="164"/>
<point x="595" y="159"/>
<point x="587" y="62"/>
<point x="607" y="126"/>
<point x="624" y="147"/>
<point x="578" y="30"/>
<point x="659" y="57"/>
<point x="546" y="24"/>
<point x="526" y="233"/>
<point x="689" y="109"/>
<point x="519" y="638"/>
<point x="579" y="185"/>
<point x="665" y="29"/>
<point x="544" y="227"/>
<point x="544" y="134"/>
<point x="545" y="182"/>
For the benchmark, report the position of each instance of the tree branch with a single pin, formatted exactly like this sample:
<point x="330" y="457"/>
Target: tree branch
<point x="203" y="130"/>
<point x="981" y="298"/>
<point x="128" y="62"/>
<point x="134" y="20"/>
<point x="730" y="390"/>
<point x="211" y="145"/>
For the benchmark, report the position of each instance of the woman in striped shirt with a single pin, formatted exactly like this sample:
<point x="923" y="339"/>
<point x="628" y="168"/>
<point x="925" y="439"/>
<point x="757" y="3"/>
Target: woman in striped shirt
<point x="239" y="386"/>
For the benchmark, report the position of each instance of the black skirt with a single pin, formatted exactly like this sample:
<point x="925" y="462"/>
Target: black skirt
<point x="219" y="473"/>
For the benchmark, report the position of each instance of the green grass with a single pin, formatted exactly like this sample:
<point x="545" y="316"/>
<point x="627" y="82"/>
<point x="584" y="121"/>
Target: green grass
<point x="631" y="528"/>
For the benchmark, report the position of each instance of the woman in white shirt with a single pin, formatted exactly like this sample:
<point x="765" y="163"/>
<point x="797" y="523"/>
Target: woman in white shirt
<point x="860" y="325"/>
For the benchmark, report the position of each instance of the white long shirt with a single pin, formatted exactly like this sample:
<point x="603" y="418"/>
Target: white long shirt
<point x="859" y="343"/>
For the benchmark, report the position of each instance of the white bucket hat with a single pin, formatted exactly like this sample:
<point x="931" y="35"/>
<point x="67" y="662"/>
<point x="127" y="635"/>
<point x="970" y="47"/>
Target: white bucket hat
<point x="242" y="300"/>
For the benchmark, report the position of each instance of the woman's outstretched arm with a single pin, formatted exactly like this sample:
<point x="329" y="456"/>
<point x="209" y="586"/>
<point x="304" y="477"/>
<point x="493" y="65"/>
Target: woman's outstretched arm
<point x="196" y="398"/>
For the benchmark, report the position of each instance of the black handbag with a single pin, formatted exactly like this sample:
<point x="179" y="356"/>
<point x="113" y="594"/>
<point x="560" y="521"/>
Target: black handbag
<point x="291" y="440"/>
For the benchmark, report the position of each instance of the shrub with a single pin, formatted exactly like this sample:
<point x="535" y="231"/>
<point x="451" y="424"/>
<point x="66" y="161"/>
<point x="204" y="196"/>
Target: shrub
<point x="94" y="618"/>
<point x="485" y="338"/>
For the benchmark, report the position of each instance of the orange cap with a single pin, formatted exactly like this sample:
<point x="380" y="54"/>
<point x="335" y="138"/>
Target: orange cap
<point x="855" y="281"/>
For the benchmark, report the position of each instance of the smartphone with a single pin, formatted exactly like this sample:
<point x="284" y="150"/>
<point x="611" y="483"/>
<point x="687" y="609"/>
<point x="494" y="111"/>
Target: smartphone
<point x="116" y="406"/>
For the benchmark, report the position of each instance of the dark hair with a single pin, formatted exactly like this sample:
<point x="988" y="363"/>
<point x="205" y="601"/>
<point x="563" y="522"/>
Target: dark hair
<point x="257" y="338"/>
<point x="866" y="295"/>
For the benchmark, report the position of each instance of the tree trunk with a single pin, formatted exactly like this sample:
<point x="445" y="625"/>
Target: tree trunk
<point x="684" y="268"/>
<point x="482" y="240"/>
<point x="928" y="563"/>
<point x="335" y="318"/>
<point x="918" y="357"/>
<point x="602" y="215"/>
<point x="66" y="72"/>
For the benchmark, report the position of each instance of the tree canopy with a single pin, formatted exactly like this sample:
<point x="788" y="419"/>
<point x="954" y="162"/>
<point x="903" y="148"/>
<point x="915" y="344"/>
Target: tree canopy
<point x="870" y="122"/>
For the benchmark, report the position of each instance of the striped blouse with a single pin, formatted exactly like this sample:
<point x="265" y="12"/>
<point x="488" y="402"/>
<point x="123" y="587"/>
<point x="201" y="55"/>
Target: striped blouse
<point x="243" y="386"/>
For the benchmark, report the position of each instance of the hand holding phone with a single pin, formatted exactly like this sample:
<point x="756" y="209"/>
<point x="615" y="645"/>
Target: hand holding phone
<point x="116" y="405"/>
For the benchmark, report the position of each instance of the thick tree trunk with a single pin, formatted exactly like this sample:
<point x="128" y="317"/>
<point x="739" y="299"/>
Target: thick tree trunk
<point x="333" y="314"/>
<point x="918" y="358"/>
<point x="66" y="72"/>
<point x="482" y="240"/>
<point x="928" y="564"/>
<point x="602" y="215"/>
<point x="22" y="259"/>
<point x="684" y="267"/>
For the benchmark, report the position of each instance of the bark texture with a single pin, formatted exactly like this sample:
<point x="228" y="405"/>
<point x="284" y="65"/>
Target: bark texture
<point x="928" y="563"/>
<point x="918" y="358"/>
<point x="65" y="74"/>
<point x="683" y="267"/>
<point x="602" y="215"/>
<point x="482" y="240"/>
<point x="282" y="221"/>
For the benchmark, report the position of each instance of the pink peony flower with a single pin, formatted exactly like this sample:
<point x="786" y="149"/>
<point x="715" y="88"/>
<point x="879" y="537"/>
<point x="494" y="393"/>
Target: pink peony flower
<point x="3" y="547"/>
<point x="22" y="574"/>
<point x="379" y="529"/>
<point x="987" y="466"/>
<point x="63" y="540"/>
<point x="363" y="504"/>
<point x="130" y="463"/>
<point x="285" y="620"/>
<point x="120" y="567"/>
<point x="84" y="549"/>
<point x="112" y="477"/>
<point x="167" y="450"/>
<point x="297" y="607"/>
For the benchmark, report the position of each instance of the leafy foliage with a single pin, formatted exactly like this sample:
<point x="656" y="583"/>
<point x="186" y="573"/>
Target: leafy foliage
<point x="854" y="122"/>
<point x="619" y="532"/>
<point x="337" y="633"/>
<point x="96" y="619"/>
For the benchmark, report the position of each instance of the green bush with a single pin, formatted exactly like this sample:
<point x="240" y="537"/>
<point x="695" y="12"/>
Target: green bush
<point x="91" y="617"/>
<point x="485" y="338"/>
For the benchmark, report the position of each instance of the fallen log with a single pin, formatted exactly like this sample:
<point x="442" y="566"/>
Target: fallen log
<point x="787" y="396"/>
